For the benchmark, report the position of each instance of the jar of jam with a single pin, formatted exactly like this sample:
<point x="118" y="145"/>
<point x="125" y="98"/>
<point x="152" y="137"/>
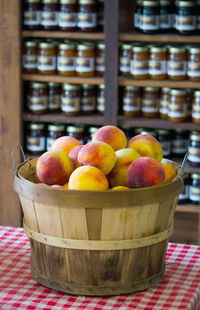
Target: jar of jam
<point x="66" y="59"/>
<point x="164" y="137"/>
<point x="29" y="58"/>
<point x="164" y="102"/>
<point x="85" y="60"/>
<point x="184" y="196"/>
<point x="149" y="20"/>
<point x="150" y="102"/>
<point x="185" y="19"/>
<point x="35" y="139"/>
<point x="132" y="100"/>
<point x="31" y="15"/>
<point x="196" y="107"/>
<point x="49" y="14"/>
<point x="54" y="131"/>
<point x="137" y="15"/>
<point x="189" y="100"/>
<point x="100" y="59"/>
<point x="100" y="15"/>
<point x="54" y="102"/>
<point x="125" y="60"/>
<point x="88" y="100"/>
<point x="101" y="99"/>
<point x="179" y="142"/>
<point x="194" y="149"/>
<point x="194" y="189"/>
<point x="76" y="132"/>
<point x="70" y="99"/>
<point x="46" y="60"/>
<point x="165" y="15"/>
<point x="144" y="131"/>
<point x="177" y="109"/>
<point x="193" y="70"/>
<point x="67" y="15"/>
<point x="177" y="63"/>
<point x="90" y="134"/>
<point x="158" y="63"/>
<point x="87" y="15"/>
<point x="38" y="98"/>
<point x="139" y="62"/>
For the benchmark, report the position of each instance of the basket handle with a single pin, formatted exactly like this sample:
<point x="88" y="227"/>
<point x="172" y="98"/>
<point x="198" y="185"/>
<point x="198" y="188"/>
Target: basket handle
<point x="180" y="175"/>
<point x="23" y="155"/>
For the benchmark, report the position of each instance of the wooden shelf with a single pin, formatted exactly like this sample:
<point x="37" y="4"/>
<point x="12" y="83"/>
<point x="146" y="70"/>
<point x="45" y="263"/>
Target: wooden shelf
<point x="61" y="118"/>
<point x="161" y="38"/>
<point x="63" y="35"/>
<point x="188" y="208"/>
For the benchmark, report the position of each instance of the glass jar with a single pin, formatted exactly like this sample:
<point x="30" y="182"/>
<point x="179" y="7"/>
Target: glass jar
<point x="125" y="60"/>
<point x="164" y="102"/>
<point x="132" y="99"/>
<point x="193" y="70"/>
<point x="177" y="109"/>
<point x="179" y="142"/>
<point x="66" y="59"/>
<point x="194" y="190"/>
<point x="46" y="60"/>
<point x="150" y="102"/>
<point x="149" y="20"/>
<point x="144" y="131"/>
<point x="85" y="60"/>
<point x="35" y="139"/>
<point x="165" y="15"/>
<point x="54" y="102"/>
<point x="184" y="197"/>
<point x="177" y="63"/>
<point x="38" y="98"/>
<point x="194" y="149"/>
<point x="196" y="107"/>
<point x="100" y="15"/>
<point x="87" y="15"/>
<point x="189" y="100"/>
<point x="29" y="58"/>
<point x="71" y="99"/>
<point x="31" y="15"/>
<point x="100" y="59"/>
<point x="67" y="15"/>
<point x="185" y="19"/>
<point x="76" y="132"/>
<point x="137" y="15"/>
<point x="139" y="62"/>
<point x="54" y="131"/>
<point x="198" y="15"/>
<point x="88" y="100"/>
<point x="158" y="63"/>
<point x="101" y="99"/>
<point x="90" y="134"/>
<point x="164" y="137"/>
<point x="49" y="14"/>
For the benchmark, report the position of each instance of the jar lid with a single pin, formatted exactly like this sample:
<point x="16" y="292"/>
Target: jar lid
<point x="158" y="49"/>
<point x="126" y="46"/>
<point x="36" y="126"/>
<point x="177" y="49"/>
<point x="179" y="92"/>
<point x="87" y="86"/>
<point x="32" y="1"/>
<point x="185" y="3"/>
<point x="49" y="1"/>
<point x="197" y="93"/>
<point x="195" y="176"/>
<point x="194" y="50"/>
<point x="85" y="46"/>
<point x="86" y="1"/>
<point x="151" y="89"/>
<point x="54" y="84"/>
<point x="165" y="90"/>
<point x="70" y="86"/>
<point x="67" y="1"/>
<point x="93" y="129"/>
<point x="165" y="2"/>
<point x="75" y="128"/>
<point x="38" y="85"/>
<point x="56" y="127"/>
<point x="101" y="86"/>
<point x="150" y="3"/>
<point x="30" y="43"/>
<point x="144" y="131"/>
<point x="195" y="136"/>
<point x="163" y="132"/>
<point x="101" y="45"/>
<point x="139" y="48"/>
<point x="132" y="88"/>
<point x="46" y="45"/>
<point x="67" y="46"/>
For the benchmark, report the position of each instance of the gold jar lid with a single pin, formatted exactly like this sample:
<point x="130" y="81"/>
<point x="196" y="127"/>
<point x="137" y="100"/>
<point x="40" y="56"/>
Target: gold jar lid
<point x="150" y="3"/>
<point x="195" y="136"/>
<point x="195" y="176"/>
<point x="93" y="129"/>
<point x="126" y="46"/>
<point x="165" y="90"/>
<point x="75" y="128"/>
<point x="46" y="45"/>
<point x="36" y="126"/>
<point x="85" y="46"/>
<point x="87" y="86"/>
<point x="38" y="85"/>
<point x="86" y="1"/>
<point x="101" y="86"/>
<point x="30" y="43"/>
<point x="132" y="88"/>
<point x="177" y="49"/>
<point x="54" y="84"/>
<point x="50" y="1"/>
<point x="67" y="46"/>
<point x="67" y="1"/>
<point x="101" y="45"/>
<point x="163" y="132"/>
<point x="67" y="86"/>
<point x="185" y="3"/>
<point x="178" y="92"/>
<point x="56" y="127"/>
<point x="139" y="48"/>
<point x="151" y="89"/>
<point x="194" y="50"/>
<point x="197" y="93"/>
<point x="158" y="49"/>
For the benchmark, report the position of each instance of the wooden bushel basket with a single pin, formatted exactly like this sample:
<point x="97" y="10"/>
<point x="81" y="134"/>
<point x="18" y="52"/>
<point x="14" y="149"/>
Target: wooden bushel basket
<point x="97" y="242"/>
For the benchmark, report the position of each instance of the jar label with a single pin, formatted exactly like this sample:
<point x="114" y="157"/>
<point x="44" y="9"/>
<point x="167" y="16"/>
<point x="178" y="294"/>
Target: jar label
<point x="176" y="68"/>
<point x="194" y="154"/>
<point x="88" y="104"/>
<point x="124" y="64"/>
<point x="177" y="110"/>
<point x="54" y="102"/>
<point x="50" y="141"/>
<point x="149" y="109"/>
<point x="180" y="146"/>
<point x="130" y="108"/>
<point x="131" y="104"/>
<point x="139" y="67"/>
<point x="157" y="67"/>
<point x="166" y="147"/>
<point x="86" y="20"/>
<point x="163" y="110"/>
<point x="193" y="69"/>
<point x="100" y="66"/>
<point x="194" y="193"/>
<point x="35" y="143"/>
<point x="84" y="64"/>
<point x="166" y="21"/>
<point x="150" y="105"/>
<point x="149" y="22"/>
<point x="45" y="63"/>
<point x="100" y="104"/>
<point x="185" y="194"/>
<point x="70" y="104"/>
<point x="185" y="23"/>
<point x="65" y="64"/>
<point x="37" y="103"/>
<point x="29" y="61"/>
<point x="49" y="18"/>
<point x="32" y="18"/>
<point x="196" y="115"/>
<point x="67" y="19"/>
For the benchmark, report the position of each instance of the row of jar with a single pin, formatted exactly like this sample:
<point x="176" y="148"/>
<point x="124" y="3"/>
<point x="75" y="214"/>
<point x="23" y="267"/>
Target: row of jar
<point x="67" y="58"/>
<point x="64" y="15"/>
<point x="166" y="15"/>
<point x="160" y="62"/>
<point x="191" y="193"/>
<point x="176" y="105"/>
<point x="71" y="99"/>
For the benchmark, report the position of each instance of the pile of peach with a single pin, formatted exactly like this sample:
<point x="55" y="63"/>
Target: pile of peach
<point x="108" y="162"/>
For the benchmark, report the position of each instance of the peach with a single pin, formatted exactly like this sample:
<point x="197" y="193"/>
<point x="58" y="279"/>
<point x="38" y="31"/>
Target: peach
<point x="88" y="178"/>
<point x="170" y="172"/>
<point x="66" y="185"/>
<point x="145" y="171"/>
<point x="54" y="167"/>
<point x="73" y="155"/>
<point x="111" y="135"/>
<point x="118" y="174"/>
<point x="119" y="188"/>
<point x="97" y="154"/>
<point x="147" y="146"/>
<point x="65" y="143"/>
<point x="56" y="186"/>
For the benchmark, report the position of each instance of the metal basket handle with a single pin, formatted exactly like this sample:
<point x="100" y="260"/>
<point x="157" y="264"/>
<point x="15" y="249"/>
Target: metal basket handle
<point x="23" y="155"/>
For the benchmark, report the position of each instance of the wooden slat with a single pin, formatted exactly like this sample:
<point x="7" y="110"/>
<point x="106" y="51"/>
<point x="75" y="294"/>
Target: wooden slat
<point x="63" y="35"/>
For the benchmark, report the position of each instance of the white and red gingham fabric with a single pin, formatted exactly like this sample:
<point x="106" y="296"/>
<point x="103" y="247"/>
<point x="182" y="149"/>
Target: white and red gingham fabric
<point x="180" y="288"/>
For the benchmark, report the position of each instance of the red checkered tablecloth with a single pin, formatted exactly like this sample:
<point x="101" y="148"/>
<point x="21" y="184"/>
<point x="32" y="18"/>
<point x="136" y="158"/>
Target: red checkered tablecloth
<point x="180" y="288"/>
